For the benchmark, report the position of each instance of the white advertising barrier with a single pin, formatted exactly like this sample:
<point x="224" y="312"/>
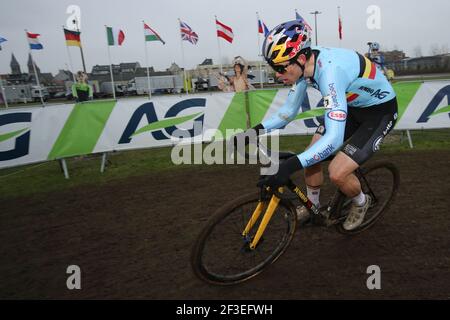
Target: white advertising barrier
<point x="29" y="135"/>
<point x="429" y="109"/>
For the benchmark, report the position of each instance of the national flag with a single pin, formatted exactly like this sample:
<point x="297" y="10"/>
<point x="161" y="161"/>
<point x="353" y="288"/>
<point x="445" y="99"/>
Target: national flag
<point x="115" y="36"/>
<point x="340" y="27"/>
<point x="72" y="38"/>
<point x="187" y="33"/>
<point x="262" y="28"/>
<point x="224" y="31"/>
<point x="2" y="40"/>
<point x="34" y="41"/>
<point x="300" y="18"/>
<point x="151" y="35"/>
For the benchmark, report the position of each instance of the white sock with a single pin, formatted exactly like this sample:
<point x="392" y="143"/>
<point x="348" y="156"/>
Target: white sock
<point x="313" y="195"/>
<point x="360" y="199"/>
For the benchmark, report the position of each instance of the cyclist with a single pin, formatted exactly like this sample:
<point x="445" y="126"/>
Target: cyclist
<point x="376" y="56"/>
<point x="361" y="109"/>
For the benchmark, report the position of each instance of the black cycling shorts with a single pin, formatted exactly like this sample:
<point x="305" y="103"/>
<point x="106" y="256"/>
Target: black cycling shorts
<point x="366" y="128"/>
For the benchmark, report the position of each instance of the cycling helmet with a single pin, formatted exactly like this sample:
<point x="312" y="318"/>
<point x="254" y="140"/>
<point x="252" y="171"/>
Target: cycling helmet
<point x="375" y="46"/>
<point x="286" y="41"/>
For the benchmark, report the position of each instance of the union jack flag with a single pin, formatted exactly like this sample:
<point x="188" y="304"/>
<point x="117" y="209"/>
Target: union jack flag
<point x="187" y="33"/>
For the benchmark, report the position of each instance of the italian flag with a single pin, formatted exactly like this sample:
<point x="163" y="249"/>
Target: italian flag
<point x="115" y="36"/>
<point x="151" y="35"/>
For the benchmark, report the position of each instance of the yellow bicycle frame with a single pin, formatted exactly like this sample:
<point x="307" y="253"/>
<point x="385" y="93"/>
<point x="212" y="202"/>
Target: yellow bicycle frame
<point x="273" y="204"/>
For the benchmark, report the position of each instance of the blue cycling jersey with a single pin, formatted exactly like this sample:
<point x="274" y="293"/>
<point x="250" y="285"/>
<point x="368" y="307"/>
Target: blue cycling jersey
<point x="345" y="79"/>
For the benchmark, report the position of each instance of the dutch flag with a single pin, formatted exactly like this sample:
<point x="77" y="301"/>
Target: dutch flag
<point x="33" y="41"/>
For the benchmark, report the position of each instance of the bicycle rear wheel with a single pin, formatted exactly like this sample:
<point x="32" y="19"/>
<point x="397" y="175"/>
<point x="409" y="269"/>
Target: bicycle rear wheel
<point x="221" y="255"/>
<point x="381" y="180"/>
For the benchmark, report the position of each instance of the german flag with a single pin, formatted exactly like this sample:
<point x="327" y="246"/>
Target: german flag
<point x="367" y="68"/>
<point x="72" y="38"/>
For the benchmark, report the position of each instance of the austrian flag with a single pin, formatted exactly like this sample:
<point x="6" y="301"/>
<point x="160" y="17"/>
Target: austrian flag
<point x="224" y="31"/>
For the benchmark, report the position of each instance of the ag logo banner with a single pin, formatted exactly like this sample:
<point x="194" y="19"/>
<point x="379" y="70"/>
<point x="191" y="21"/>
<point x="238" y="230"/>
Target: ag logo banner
<point x="429" y="109"/>
<point x="140" y="123"/>
<point x="28" y="134"/>
<point x="14" y="135"/>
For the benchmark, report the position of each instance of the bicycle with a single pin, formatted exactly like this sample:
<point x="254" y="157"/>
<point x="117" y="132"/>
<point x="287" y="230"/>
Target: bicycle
<point x="238" y="242"/>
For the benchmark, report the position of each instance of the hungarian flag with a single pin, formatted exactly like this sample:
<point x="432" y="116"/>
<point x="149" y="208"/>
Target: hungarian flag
<point x="33" y="41"/>
<point x="151" y="35"/>
<point x="72" y="38"/>
<point x="115" y="36"/>
<point x="224" y="31"/>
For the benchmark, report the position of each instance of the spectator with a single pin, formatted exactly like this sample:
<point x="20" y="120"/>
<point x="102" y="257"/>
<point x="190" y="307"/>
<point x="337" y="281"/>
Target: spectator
<point x="240" y="80"/>
<point x="81" y="90"/>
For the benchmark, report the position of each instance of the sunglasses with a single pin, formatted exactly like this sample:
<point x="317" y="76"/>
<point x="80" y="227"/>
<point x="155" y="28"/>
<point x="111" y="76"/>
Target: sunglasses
<point x="283" y="68"/>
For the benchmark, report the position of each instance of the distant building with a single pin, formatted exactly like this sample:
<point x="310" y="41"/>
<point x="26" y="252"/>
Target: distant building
<point x="423" y="65"/>
<point x="125" y="72"/>
<point x="62" y="76"/>
<point x="30" y="66"/>
<point x="15" y="66"/>
<point x="393" y="56"/>
<point x="174" y="68"/>
<point x="206" y="62"/>
<point x="17" y="77"/>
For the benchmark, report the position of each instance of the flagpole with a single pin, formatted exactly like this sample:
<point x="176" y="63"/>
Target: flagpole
<point x="259" y="53"/>
<point x="339" y="25"/>
<point x="70" y="60"/>
<point x="110" y="66"/>
<point x="35" y="72"/>
<point x="218" y="44"/>
<point x="183" y="61"/>
<point x="146" y="61"/>
<point x="81" y="48"/>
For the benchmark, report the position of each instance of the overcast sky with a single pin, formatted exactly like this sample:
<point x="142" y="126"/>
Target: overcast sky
<point x="405" y="24"/>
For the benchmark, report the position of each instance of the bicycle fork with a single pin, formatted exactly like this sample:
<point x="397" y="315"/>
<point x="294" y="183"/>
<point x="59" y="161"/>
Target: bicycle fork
<point x="273" y="204"/>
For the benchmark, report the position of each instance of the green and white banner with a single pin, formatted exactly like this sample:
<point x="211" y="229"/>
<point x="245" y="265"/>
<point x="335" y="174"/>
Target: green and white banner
<point x="29" y="135"/>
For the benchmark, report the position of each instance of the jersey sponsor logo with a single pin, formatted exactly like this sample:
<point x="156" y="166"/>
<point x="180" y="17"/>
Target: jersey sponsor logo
<point x="388" y="127"/>
<point x="374" y="93"/>
<point x="333" y="94"/>
<point x="320" y="155"/>
<point x="337" y="115"/>
<point x="377" y="143"/>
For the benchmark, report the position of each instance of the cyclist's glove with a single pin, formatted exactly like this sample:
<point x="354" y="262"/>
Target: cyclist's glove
<point x="281" y="178"/>
<point x="245" y="136"/>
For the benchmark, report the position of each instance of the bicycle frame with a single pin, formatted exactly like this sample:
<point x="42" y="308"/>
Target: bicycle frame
<point x="273" y="204"/>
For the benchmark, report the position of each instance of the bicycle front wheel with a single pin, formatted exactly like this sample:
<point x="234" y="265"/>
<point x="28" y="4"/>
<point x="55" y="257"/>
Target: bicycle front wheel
<point x="222" y="255"/>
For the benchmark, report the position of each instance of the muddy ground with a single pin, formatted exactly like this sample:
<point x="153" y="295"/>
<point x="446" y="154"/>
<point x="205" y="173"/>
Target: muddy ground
<point x="132" y="240"/>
